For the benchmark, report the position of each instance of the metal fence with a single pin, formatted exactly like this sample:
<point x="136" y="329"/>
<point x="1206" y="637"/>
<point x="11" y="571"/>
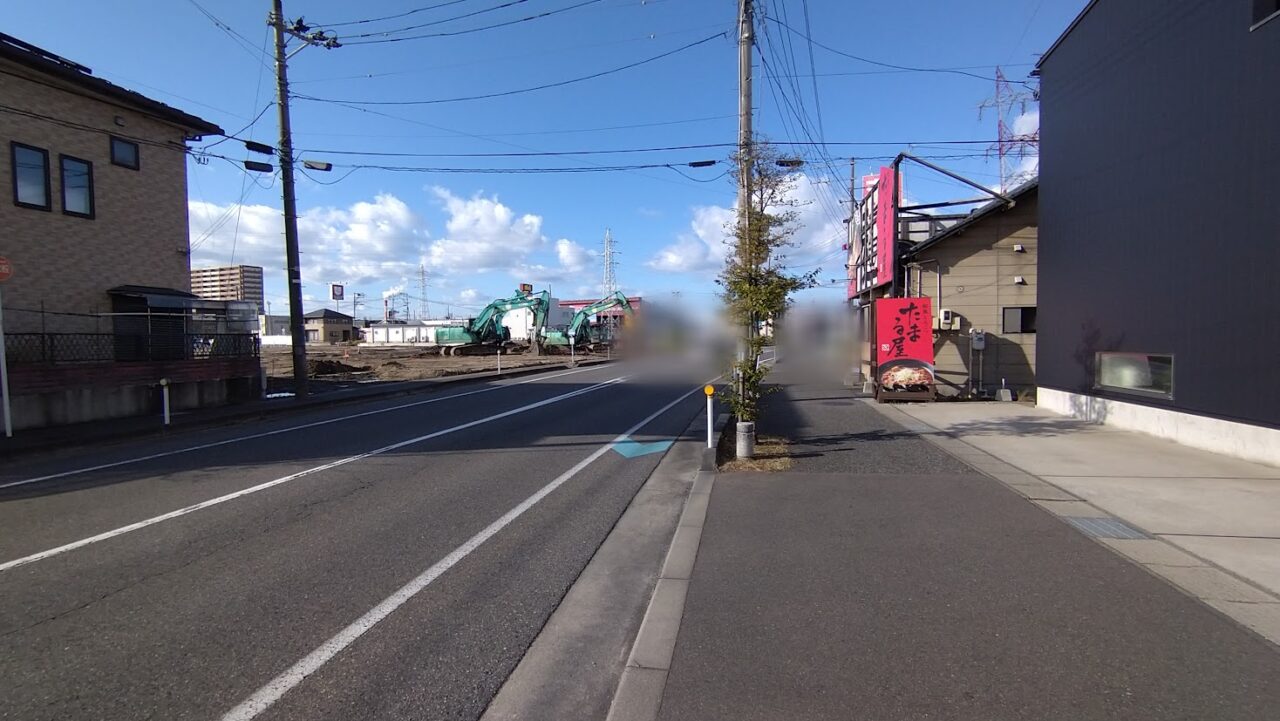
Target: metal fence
<point x="105" y="347"/>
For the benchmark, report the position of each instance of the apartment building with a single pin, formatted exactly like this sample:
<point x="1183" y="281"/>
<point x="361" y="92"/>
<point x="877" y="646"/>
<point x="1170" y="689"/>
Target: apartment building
<point x="229" y="282"/>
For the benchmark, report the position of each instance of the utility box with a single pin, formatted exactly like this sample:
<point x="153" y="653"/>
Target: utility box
<point x="978" y="340"/>
<point x="947" y="319"/>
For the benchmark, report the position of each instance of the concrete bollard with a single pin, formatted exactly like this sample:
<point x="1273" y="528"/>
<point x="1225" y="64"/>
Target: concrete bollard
<point x="746" y="439"/>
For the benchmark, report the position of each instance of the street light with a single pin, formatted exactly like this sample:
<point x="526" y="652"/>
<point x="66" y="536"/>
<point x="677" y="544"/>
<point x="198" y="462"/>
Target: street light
<point x="789" y="162"/>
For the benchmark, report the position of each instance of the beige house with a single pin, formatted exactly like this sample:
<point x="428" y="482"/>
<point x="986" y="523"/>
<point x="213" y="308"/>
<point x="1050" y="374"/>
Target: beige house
<point x="330" y="326"/>
<point x="96" y="194"/>
<point x="981" y="277"/>
<point x="93" y="207"/>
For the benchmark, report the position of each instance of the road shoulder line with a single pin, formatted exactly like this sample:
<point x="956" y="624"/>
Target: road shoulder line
<point x="265" y="697"/>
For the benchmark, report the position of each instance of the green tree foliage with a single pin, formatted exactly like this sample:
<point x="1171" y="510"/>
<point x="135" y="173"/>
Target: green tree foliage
<point x="755" y="285"/>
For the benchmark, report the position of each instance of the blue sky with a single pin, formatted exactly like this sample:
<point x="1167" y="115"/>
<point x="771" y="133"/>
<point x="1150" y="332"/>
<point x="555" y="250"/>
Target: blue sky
<point x="478" y="235"/>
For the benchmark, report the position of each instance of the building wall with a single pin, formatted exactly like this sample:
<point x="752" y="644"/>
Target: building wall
<point x="139" y="232"/>
<point x="1160" y="163"/>
<point x="978" y="268"/>
<point x="330" y="330"/>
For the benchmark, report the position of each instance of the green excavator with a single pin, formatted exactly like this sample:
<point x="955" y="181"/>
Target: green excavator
<point x="578" y="333"/>
<point x="486" y="333"/>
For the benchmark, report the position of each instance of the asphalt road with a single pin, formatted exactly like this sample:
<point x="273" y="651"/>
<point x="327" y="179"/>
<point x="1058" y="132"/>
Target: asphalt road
<point x="390" y="560"/>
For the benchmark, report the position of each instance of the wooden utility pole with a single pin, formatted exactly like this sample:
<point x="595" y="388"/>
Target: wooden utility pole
<point x="746" y="39"/>
<point x="293" y="263"/>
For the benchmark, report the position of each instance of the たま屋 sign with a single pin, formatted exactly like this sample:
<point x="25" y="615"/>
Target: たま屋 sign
<point x="904" y="343"/>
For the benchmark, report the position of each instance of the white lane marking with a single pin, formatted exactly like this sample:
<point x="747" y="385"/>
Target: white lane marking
<point x="294" y="476"/>
<point x="264" y="434"/>
<point x="277" y="687"/>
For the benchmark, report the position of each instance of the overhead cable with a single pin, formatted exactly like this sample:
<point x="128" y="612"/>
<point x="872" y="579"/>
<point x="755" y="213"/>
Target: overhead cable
<point x="467" y="31"/>
<point x="519" y="91"/>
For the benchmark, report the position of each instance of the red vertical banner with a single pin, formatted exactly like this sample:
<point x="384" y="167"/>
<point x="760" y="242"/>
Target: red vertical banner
<point x="904" y="343"/>
<point x="885" y="232"/>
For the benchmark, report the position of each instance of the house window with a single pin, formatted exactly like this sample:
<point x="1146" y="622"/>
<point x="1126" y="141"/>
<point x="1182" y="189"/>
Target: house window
<point x="313" y="334"/>
<point x="1020" y="320"/>
<point x="77" y="186"/>
<point x="1264" y="10"/>
<point x="124" y="153"/>
<point x="1148" y="374"/>
<point x="30" y="176"/>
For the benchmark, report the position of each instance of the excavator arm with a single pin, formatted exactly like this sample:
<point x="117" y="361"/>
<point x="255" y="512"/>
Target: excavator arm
<point x="576" y="332"/>
<point x="486" y="327"/>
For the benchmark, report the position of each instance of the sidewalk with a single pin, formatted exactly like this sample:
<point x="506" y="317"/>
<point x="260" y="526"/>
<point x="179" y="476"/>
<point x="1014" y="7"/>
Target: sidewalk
<point x="1223" y="511"/>
<point x="883" y="578"/>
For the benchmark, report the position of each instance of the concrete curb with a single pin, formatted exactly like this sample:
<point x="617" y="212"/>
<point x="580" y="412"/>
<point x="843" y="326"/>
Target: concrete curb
<point x="573" y="666"/>
<point x="227" y="415"/>
<point x="639" y="694"/>
<point x="709" y="454"/>
<point x="1238" y="598"/>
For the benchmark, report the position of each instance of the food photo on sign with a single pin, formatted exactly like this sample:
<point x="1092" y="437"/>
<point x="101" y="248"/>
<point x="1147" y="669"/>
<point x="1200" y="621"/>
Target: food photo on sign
<point x="904" y="344"/>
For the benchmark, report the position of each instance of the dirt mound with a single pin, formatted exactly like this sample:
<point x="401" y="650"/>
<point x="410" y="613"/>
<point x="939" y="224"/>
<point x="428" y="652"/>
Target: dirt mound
<point x="331" y="367"/>
<point x="393" y="364"/>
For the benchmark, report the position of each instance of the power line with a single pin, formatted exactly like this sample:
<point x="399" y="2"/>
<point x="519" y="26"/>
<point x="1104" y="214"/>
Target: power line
<point x="813" y="69"/>
<point x="414" y="121"/>
<point x="384" y="33"/>
<point x="507" y="93"/>
<point x="453" y="33"/>
<point x="520" y="171"/>
<point x="869" y="61"/>
<point x="391" y="17"/>
<point x="617" y="151"/>
<point x="244" y="43"/>
<point x="571" y="131"/>
<point x="824" y="194"/>
<point x="256" y="118"/>
<point x="492" y="59"/>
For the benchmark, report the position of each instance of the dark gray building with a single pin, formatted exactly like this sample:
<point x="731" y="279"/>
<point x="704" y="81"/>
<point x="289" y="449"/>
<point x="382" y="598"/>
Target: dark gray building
<point x="1160" y="219"/>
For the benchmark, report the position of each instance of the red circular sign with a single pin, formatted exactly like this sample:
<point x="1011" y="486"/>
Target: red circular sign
<point x="6" y="269"/>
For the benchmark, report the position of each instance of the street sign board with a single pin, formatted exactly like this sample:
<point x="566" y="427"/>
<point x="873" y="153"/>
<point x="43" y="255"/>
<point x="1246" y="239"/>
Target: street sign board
<point x="6" y="269"/>
<point x="337" y="291"/>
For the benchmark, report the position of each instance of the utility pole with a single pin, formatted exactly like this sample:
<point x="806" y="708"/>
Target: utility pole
<point x="746" y="39"/>
<point x="293" y="264"/>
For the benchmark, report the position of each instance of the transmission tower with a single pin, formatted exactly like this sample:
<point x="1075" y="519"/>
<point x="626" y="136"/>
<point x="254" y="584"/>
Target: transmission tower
<point x="423" y="309"/>
<point x="610" y="264"/>
<point x="1010" y="102"/>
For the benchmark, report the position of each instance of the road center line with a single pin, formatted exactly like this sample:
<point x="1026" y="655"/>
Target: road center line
<point x="264" y="434"/>
<point x="277" y="687"/>
<point x="294" y="476"/>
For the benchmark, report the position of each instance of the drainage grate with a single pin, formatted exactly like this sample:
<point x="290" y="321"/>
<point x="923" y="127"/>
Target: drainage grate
<point x="1106" y="528"/>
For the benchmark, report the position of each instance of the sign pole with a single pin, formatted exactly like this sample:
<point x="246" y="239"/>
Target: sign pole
<point x="710" y="391"/>
<point x="164" y="393"/>
<point x="4" y="377"/>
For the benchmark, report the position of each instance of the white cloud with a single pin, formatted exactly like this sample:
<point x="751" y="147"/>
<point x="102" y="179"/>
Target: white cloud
<point x="469" y="295"/>
<point x="573" y="257"/>
<point x="817" y="239"/>
<point x="1027" y="123"/>
<point x="483" y="235"/>
<point x="381" y="244"/>
<point x="363" y="243"/>
<point x="702" y="249"/>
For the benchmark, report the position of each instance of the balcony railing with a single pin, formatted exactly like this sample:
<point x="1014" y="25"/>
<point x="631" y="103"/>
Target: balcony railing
<point x="108" y="347"/>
